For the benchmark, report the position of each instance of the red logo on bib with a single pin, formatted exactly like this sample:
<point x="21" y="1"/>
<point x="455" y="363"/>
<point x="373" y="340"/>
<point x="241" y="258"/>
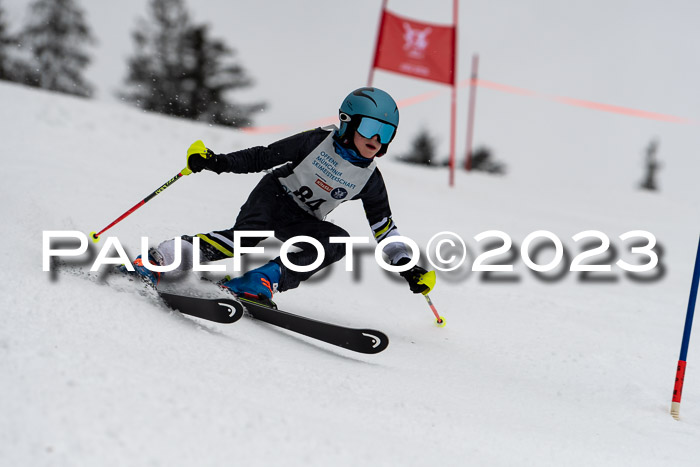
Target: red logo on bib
<point x="323" y="185"/>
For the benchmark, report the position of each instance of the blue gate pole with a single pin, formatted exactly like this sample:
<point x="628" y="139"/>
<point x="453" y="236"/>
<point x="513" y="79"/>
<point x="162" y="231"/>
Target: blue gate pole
<point x="680" y="371"/>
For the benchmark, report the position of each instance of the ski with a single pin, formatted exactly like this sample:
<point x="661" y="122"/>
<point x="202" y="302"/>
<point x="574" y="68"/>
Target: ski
<point x="218" y="310"/>
<point x="222" y="310"/>
<point x="229" y="310"/>
<point x="367" y="341"/>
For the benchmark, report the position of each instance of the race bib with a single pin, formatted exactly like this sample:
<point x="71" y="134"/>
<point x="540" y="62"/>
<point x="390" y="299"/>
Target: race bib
<point x="323" y="179"/>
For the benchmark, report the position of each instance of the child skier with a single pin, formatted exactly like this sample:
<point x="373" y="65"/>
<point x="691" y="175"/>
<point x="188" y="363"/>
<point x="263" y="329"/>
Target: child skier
<point x="314" y="172"/>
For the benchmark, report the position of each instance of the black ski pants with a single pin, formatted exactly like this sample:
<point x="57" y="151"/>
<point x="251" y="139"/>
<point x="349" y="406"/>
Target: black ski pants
<point x="269" y="208"/>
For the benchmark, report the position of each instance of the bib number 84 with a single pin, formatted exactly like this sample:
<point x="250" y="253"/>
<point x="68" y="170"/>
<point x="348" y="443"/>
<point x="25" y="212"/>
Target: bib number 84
<point x="305" y="193"/>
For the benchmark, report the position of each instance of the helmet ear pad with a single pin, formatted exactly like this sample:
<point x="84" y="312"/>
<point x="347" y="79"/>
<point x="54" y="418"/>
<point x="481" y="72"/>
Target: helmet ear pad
<point x="346" y="132"/>
<point x="348" y="125"/>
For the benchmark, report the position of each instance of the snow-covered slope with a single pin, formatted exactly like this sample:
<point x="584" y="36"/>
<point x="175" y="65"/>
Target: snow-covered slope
<point x="527" y="371"/>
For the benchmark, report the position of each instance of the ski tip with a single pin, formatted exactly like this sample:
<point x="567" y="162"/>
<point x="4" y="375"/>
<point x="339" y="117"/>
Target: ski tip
<point x="375" y="341"/>
<point x="218" y="310"/>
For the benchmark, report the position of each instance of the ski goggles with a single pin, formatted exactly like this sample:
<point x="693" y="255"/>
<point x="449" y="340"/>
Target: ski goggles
<point x="369" y="127"/>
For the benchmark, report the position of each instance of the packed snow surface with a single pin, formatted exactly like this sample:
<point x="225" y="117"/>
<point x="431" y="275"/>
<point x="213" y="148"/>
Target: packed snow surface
<point x="556" y="369"/>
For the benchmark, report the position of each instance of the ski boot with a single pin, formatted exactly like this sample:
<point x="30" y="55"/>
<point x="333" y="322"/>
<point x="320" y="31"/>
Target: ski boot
<point x="150" y="277"/>
<point x="257" y="285"/>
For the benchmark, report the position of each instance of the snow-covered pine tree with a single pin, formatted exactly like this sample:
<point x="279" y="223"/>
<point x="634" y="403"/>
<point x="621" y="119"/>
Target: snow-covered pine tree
<point x="178" y="70"/>
<point x="483" y="161"/>
<point x="5" y="44"/>
<point x="56" y="36"/>
<point x="12" y="66"/>
<point x="210" y="78"/>
<point x="422" y="149"/>
<point x="156" y="66"/>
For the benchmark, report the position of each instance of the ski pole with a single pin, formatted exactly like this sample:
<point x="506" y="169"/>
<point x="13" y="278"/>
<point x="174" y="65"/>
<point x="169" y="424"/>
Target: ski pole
<point x="439" y="320"/>
<point x="96" y="235"/>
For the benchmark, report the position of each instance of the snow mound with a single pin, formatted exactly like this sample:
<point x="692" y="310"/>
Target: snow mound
<point x="530" y="370"/>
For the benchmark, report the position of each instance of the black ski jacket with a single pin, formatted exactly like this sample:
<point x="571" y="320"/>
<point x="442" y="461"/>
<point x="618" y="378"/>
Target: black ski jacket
<point x="284" y="155"/>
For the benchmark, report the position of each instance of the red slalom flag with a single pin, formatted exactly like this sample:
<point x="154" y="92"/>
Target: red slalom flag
<point x="418" y="49"/>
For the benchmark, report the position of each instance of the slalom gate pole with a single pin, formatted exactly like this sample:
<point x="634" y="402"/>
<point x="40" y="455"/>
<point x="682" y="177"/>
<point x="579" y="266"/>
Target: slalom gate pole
<point x="95" y="236"/>
<point x="439" y="320"/>
<point x="680" y="371"/>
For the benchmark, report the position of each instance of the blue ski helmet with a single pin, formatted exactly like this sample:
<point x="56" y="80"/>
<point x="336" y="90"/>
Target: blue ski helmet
<point x="378" y="106"/>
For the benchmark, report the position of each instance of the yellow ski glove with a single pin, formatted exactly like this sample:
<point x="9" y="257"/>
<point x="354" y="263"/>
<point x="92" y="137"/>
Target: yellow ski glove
<point x="197" y="158"/>
<point x="419" y="280"/>
<point x="428" y="280"/>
